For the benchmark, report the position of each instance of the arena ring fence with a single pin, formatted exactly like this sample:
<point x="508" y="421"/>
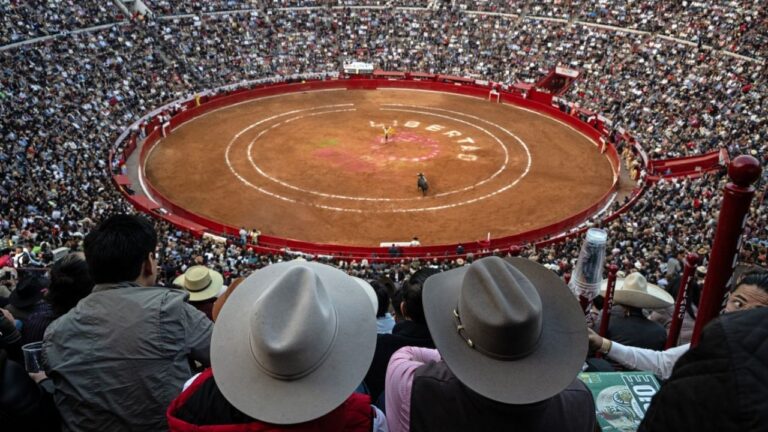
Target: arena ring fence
<point x="159" y="206"/>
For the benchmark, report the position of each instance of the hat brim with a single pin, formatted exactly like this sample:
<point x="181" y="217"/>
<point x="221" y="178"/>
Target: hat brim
<point x="655" y="297"/>
<point x="542" y="374"/>
<point x="217" y="281"/>
<point x="248" y="388"/>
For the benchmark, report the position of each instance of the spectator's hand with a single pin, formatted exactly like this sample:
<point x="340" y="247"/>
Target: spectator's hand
<point x="219" y="303"/>
<point x="595" y="340"/>
<point x="8" y="315"/>
<point x="38" y="376"/>
<point x="8" y="332"/>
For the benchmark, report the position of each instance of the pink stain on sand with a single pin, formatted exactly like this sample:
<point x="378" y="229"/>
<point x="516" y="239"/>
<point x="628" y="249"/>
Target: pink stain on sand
<point x="403" y="147"/>
<point x="346" y="161"/>
<point x="400" y="143"/>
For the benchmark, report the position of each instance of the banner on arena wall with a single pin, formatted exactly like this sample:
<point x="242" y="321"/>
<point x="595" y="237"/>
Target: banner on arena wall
<point x="572" y="73"/>
<point x="215" y="238"/>
<point x="358" y="68"/>
<point x="621" y="398"/>
<point x="605" y="120"/>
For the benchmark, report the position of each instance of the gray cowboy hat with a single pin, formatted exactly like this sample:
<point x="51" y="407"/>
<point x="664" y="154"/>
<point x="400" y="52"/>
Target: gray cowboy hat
<point x="510" y="330"/>
<point x="293" y="342"/>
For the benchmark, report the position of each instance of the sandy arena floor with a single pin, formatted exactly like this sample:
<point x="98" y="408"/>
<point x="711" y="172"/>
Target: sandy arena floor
<point x="314" y="166"/>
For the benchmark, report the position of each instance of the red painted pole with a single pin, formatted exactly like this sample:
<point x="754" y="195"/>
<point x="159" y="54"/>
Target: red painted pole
<point x="680" y="302"/>
<point x="605" y="317"/>
<point x="608" y="299"/>
<point x="744" y="170"/>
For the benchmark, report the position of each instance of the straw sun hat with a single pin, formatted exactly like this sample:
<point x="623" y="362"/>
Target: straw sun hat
<point x="201" y="282"/>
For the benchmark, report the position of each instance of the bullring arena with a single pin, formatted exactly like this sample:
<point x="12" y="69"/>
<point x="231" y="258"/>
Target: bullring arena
<point x="314" y="166"/>
<point x="200" y="189"/>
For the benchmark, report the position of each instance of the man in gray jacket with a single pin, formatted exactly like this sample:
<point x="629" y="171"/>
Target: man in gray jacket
<point x="123" y="353"/>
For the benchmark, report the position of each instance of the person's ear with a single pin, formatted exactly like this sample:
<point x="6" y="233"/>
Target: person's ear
<point x="148" y="266"/>
<point x="402" y="309"/>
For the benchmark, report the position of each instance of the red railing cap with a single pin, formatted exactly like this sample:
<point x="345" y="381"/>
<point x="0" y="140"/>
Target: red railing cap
<point x="744" y="170"/>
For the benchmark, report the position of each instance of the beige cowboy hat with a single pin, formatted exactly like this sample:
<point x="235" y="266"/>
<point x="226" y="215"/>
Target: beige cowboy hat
<point x="509" y="329"/>
<point x="634" y="290"/>
<point x="201" y="282"/>
<point x="293" y="342"/>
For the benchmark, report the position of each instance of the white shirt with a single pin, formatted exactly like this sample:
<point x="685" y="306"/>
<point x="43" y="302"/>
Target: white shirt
<point x="660" y="363"/>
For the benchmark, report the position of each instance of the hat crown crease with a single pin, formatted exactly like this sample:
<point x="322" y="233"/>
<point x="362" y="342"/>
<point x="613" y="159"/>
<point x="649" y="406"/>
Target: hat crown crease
<point x="636" y="282"/>
<point x="293" y="325"/>
<point x="500" y="310"/>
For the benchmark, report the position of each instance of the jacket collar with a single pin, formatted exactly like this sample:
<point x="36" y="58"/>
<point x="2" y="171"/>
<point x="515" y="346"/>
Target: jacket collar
<point x="412" y="329"/>
<point x="109" y="286"/>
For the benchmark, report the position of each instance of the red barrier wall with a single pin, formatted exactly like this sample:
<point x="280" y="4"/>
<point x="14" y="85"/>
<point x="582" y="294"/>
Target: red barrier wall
<point x="439" y="83"/>
<point x="685" y="166"/>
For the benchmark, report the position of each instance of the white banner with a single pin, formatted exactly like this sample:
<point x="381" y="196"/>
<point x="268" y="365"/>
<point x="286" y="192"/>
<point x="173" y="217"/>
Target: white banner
<point x="567" y="72"/>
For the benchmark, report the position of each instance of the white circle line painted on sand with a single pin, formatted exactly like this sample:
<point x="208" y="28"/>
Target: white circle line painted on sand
<point x="517" y="138"/>
<point x="513" y="106"/>
<point x="253" y="125"/>
<point x="342" y="209"/>
<point x="373" y="199"/>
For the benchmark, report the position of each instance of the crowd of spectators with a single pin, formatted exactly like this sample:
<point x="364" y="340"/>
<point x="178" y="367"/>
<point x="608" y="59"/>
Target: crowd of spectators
<point x="735" y="26"/>
<point x="65" y="101"/>
<point x="22" y="20"/>
<point x="106" y="347"/>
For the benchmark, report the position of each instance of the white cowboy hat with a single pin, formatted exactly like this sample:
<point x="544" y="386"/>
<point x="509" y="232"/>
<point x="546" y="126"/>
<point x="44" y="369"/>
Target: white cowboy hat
<point x="635" y="291"/>
<point x="200" y="282"/>
<point x="293" y="342"/>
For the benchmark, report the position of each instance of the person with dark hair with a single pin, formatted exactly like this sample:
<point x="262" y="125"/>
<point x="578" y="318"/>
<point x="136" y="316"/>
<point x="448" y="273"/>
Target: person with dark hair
<point x="120" y="356"/>
<point x="26" y="298"/>
<point x="749" y="292"/>
<point x="23" y="404"/>
<point x="721" y="384"/>
<point x="384" y="320"/>
<point x="411" y="331"/>
<point x="70" y="281"/>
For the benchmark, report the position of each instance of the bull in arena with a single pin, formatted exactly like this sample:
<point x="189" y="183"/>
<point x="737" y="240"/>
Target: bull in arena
<point x="422" y="184"/>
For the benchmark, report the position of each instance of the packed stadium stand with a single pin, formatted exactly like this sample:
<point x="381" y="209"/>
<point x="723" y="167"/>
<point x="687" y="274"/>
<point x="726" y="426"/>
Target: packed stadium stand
<point x="672" y="79"/>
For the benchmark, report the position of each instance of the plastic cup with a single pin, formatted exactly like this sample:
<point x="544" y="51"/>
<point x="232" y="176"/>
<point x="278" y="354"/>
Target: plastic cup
<point x="588" y="273"/>
<point x="33" y="356"/>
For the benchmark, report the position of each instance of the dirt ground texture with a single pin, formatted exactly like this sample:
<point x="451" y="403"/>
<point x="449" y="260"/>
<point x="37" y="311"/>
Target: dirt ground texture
<point x="314" y="166"/>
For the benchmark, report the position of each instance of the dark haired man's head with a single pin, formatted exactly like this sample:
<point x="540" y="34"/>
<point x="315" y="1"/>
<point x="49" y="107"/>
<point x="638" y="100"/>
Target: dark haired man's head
<point x="70" y="282"/>
<point x="122" y="249"/>
<point x="412" y="306"/>
<point x="751" y="291"/>
<point x="383" y="297"/>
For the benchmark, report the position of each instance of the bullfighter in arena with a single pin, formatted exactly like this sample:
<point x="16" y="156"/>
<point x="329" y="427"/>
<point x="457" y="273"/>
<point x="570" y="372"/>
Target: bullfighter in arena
<point x="389" y="131"/>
